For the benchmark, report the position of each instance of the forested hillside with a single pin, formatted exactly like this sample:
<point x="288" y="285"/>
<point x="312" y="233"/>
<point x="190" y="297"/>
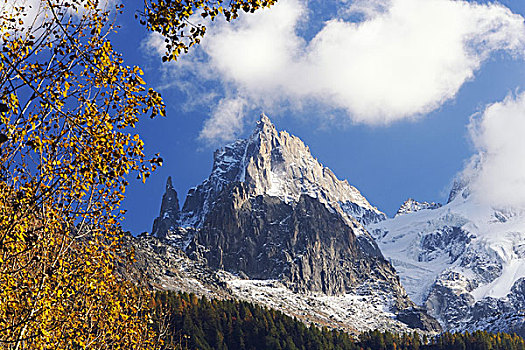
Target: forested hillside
<point x="193" y="323"/>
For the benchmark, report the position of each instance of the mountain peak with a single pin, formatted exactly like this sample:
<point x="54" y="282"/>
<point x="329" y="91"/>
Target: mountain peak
<point x="264" y="125"/>
<point x="263" y="119"/>
<point x="460" y="187"/>
<point x="277" y="164"/>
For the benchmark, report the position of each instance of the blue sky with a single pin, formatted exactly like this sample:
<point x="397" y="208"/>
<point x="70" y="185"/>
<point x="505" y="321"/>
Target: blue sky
<point x="388" y="105"/>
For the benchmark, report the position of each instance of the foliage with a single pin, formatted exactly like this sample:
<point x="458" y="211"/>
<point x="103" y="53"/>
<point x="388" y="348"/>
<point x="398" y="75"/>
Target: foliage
<point x="67" y="105"/>
<point x="68" y="101"/>
<point x="195" y="323"/>
<point x="179" y="22"/>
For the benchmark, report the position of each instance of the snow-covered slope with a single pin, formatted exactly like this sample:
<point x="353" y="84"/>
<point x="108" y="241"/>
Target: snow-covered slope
<point x="277" y="164"/>
<point x="459" y="260"/>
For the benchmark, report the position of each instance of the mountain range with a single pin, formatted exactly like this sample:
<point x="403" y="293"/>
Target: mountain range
<point x="272" y="225"/>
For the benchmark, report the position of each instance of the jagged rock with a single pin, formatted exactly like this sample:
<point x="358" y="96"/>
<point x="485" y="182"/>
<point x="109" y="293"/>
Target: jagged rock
<point x="169" y="218"/>
<point x="517" y="294"/>
<point x="460" y="311"/>
<point x="452" y="240"/>
<point x="304" y="243"/>
<point x="412" y="206"/>
<point x="448" y="301"/>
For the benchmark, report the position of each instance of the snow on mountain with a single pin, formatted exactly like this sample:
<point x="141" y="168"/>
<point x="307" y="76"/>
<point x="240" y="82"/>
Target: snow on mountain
<point x="352" y="312"/>
<point x="276" y="164"/>
<point x="458" y="259"/>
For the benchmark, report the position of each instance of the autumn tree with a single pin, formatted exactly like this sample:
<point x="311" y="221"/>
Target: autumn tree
<point x="69" y="98"/>
<point x="68" y="105"/>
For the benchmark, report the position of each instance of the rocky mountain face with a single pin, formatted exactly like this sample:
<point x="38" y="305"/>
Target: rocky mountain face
<point x="162" y="266"/>
<point x="269" y="211"/>
<point x="304" y="243"/>
<point x="464" y="262"/>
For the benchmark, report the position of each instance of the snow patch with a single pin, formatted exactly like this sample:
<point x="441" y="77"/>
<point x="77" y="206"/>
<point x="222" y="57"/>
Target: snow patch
<point x="353" y="313"/>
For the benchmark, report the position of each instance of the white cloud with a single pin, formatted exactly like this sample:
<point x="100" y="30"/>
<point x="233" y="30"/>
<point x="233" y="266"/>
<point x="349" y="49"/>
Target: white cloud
<point x="498" y="135"/>
<point x="405" y="59"/>
<point x="411" y="59"/>
<point x="226" y="121"/>
<point x="259" y="47"/>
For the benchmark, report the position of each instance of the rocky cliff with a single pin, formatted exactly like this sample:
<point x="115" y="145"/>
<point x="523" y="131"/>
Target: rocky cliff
<point x="303" y="243"/>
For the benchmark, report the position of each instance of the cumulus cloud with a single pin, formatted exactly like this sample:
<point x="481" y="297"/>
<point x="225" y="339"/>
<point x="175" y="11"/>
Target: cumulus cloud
<point x="497" y="134"/>
<point x="404" y="58"/>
